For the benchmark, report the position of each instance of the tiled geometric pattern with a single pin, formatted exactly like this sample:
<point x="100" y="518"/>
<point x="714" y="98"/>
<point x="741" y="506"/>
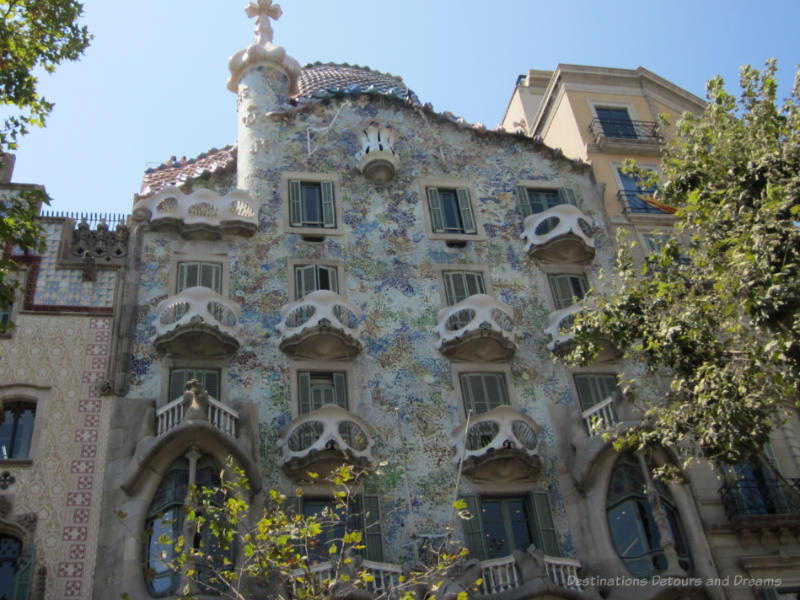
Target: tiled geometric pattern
<point x="65" y="287"/>
<point x="64" y="483"/>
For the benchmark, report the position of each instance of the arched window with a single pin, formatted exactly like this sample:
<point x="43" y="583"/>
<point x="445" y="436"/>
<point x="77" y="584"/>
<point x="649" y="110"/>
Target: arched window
<point x="16" y="567"/>
<point x="164" y="525"/>
<point x="16" y="430"/>
<point x="633" y="522"/>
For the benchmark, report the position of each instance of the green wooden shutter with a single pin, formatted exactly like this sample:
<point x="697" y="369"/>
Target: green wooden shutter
<point x="435" y="208"/>
<point x="210" y="382"/>
<point x="210" y="275"/>
<point x="465" y="208"/>
<point x="177" y="383"/>
<point x="304" y="392"/>
<point x="545" y="536"/>
<point x="594" y="387"/>
<point x="474" y="283"/>
<point x="24" y="576"/>
<point x="523" y="201"/>
<point x="340" y="389"/>
<point x="305" y="280"/>
<point x="467" y="394"/>
<point x="328" y="207"/>
<point x="561" y="286"/>
<point x="371" y="527"/>
<point x="295" y="206"/>
<point x="473" y="530"/>
<point x="568" y="196"/>
<point x="454" y="289"/>
<point x="496" y="392"/>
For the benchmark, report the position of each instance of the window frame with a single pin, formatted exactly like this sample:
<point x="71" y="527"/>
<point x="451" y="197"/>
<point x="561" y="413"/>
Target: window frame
<point x="312" y="178"/>
<point x="466" y="367"/>
<point x="294" y="263"/>
<point x="441" y="269"/>
<point x="556" y="300"/>
<point x="199" y="253"/>
<point x="450" y="183"/>
<point x="169" y="364"/>
<point x="344" y="367"/>
<point x="201" y="264"/>
<point x="566" y="195"/>
<point x="615" y="104"/>
<point x="590" y="373"/>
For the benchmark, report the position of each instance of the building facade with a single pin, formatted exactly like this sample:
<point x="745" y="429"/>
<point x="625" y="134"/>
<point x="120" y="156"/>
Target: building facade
<point x="362" y="279"/>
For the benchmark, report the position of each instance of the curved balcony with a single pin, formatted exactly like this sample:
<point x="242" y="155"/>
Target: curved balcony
<point x="559" y="329"/>
<point x="500" y="445"/>
<point x="324" y="438"/>
<point x="377" y="160"/>
<point x="478" y="329"/>
<point x="198" y="322"/>
<point x="562" y="234"/>
<point x="322" y="326"/>
<point x="201" y="215"/>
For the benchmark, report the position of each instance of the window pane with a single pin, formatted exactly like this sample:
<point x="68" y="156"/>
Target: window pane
<point x="518" y="517"/>
<point x="616" y="122"/>
<point x="452" y="216"/>
<point x="22" y="439"/>
<point x="312" y="205"/>
<point x="10" y="551"/>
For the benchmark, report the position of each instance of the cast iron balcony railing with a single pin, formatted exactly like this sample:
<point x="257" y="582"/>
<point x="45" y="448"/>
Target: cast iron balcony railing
<point x="197" y="321"/>
<point x="479" y="328"/>
<point x="327" y="434"/>
<point x="561" y="234"/>
<point x="634" y="202"/>
<point x="624" y="129"/>
<point x="321" y="325"/>
<point x="752" y="499"/>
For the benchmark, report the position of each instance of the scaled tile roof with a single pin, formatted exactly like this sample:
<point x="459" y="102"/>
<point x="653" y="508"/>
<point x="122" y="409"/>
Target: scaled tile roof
<point x="322" y="78"/>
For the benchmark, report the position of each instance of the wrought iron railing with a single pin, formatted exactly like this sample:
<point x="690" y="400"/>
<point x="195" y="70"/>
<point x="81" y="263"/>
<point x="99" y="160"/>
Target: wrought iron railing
<point x="624" y="129"/>
<point x="749" y="497"/>
<point x="634" y="201"/>
<point x="92" y="219"/>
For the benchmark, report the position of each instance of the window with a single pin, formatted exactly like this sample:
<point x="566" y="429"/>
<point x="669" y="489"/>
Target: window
<point x="535" y="200"/>
<point x="165" y="520"/>
<point x="316" y="389"/>
<point x="482" y="392"/>
<point x="205" y="274"/>
<point x="636" y="196"/>
<point x="633" y="525"/>
<point x="654" y="242"/>
<point x="566" y="288"/>
<point x="616" y="123"/>
<point x="16" y="568"/>
<point x="310" y="278"/>
<point x="502" y="525"/>
<point x="16" y="430"/>
<point x="5" y="319"/>
<point x="208" y="378"/>
<point x="311" y="204"/>
<point x="593" y="388"/>
<point x="451" y="211"/>
<point x="459" y="285"/>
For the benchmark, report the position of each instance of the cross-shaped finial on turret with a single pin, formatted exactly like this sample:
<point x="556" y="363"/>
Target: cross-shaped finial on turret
<point x="263" y="10"/>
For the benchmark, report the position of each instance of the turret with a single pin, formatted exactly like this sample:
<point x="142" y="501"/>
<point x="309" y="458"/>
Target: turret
<point x="264" y="77"/>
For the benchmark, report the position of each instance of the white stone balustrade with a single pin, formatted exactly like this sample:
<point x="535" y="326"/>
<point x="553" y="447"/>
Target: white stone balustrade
<point x="481" y="319"/>
<point x="201" y="214"/>
<point x="386" y="575"/>
<point x="377" y="160"/>
<point x="503" y="427"/>
<point x="197" y="312"/>
<point x="602" y="416"/>
<point x="501" y="574"/>
<point x="560" y="234"/>
<point x="559" y="327"/>
<point x="328" y="428"/>
<point x="219" y="415"/>
<point x="321" y="325"/>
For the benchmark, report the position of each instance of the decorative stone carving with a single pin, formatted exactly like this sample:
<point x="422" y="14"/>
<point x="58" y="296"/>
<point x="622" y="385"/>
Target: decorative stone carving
<point x="28" y="521"/>
<point x="377" y="160"/>
<point x="561" y="234"/>
<point x="98" y="245"/>
<point x="6" y="480"/>
<point x="479" y="328"/>
<point x="195" y="399"/>
<point x="5" y="507"/>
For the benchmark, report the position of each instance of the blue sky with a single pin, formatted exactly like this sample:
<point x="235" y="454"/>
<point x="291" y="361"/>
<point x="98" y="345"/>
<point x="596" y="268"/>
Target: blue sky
<point x="152" y="84"/>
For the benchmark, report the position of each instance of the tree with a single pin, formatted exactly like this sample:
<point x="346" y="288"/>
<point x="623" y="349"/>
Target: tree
<point x="33" y="34"/>
<point x="718" y="308"/>
<point x="285" y="553"/>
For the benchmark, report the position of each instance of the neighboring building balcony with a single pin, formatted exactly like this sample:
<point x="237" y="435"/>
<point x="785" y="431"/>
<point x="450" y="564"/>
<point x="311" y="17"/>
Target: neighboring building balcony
<point x="322" y="325"/>
<point x="201" y="215"/>
<point x="500" y="444"/>
<point x="217" y="414"/>
<point x="561" y="234"/>
<point x="325" y="438"/>
<point x="625" y="134"/>
<point x="641" y="203"/>
<point x="478" y="329"/>
<point x="559" y="329"/>
<point x="197" y="322"/>
<point x="762" y="503"/>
